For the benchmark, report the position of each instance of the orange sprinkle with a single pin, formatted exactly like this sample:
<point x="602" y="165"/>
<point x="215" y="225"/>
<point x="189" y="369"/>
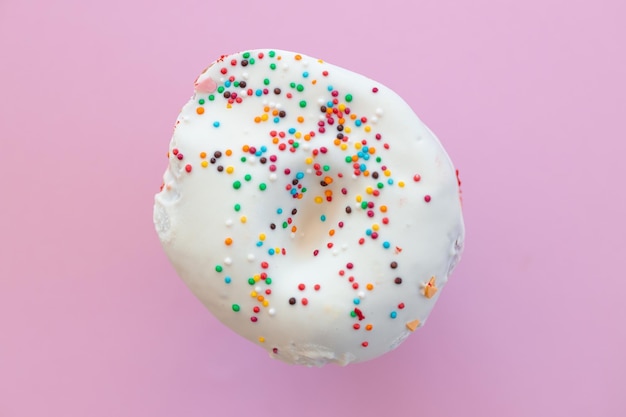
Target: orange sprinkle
<point x="293" y="229"/>
<point x="328" y="193"/>
<point x="202" y="155"/>
<point x="274" y="141"/>
<point x="372" y="150"/>
<point x="300" y="119"/>
<point x="430" y="289"/>
<point x="298" y="57"/>
<point x="314" y="82"/>
<point x="260" y="298"/>
<point x="266" y="109"/>
<point x="412" y="325"/>
<point x="369" y="327"/>
<point x="370" y="286"/>
<point x="275" y="112"/>
<point x="328" y="180"/>
<point x="257" y="119"/>
<point x="331" y="232"/>
<point x="353" y="116"/>
<point x="228" y="241"/>
<point x="245" y="148"/>
<point x="383" y="209"/>
<point x="200" y="110"/>
<point x="229" y="152"/>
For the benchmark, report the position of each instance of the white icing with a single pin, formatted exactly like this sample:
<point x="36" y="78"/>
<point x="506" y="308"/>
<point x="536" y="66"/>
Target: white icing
<point x="198" y="210"/>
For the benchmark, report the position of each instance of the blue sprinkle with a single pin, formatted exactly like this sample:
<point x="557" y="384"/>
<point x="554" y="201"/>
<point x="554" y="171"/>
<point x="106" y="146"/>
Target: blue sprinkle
<point x="323" y="217"/>
<point x="329" y="104"/>
<point x="227" y="83"/>
<point x="393" y="315"/>
<point x="291" y="130"/>
<point x="357" y="122"/>
<point x="263" y="148"/>
<point x="386" y="245"/>
<point x="216" y="124"/>
<point x="368" y="232"/>
<point x="360" y="154"/>
<point x="227" y="280"/>
<point x="279" y="211"/>
<point x="366" y="149"/>
<point x="330" y="88"/>
<point x="363" y="167"/>
<point x="305" y="74"/>
<point x="366" y="156"/>
<point x="276" y="119"/>
<point x="258" y="92"/>
<point x="271" y="251"/>
<point x="300" y="175"/>
<point x="293" y="191"/>
<point x="356" y="301"/>
<point x="390" y="181"/>
<point x="259" y="244"/>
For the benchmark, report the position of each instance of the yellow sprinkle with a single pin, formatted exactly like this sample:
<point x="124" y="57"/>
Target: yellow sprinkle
<point x="230" y="169"/>
<point x="308" y="161"/>
<point x="228" y="241"/>
<point x="256" y="277"/>
<point x="229" y="106"/>
<point x="204" y="164"/>
<point x="359" y="198"/>
<point x="369" y="190"/>
<point x="400" y="184"/>
<point x="343" y="146"/>
<point x="342" y="107"/>
<point x="357" y="145"/>
<point x="375" y="226"/>
<point x="318" y="200"/>
<point x="264" y="117"/>
<point x="261" y="339"/>
<point x="262" y="237"/>
<point x="243" y="219"/>
<point x="253" y="294"/>
<point x="368" y="128"/>
<point x="265" y="303"/>
<point x="298" y="135"/>
<point x="347" y="130"/>
<point x="387" y="173"/>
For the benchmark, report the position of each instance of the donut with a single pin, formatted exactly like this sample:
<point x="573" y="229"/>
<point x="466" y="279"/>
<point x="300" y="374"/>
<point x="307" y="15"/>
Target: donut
<point x="308" y="208"/>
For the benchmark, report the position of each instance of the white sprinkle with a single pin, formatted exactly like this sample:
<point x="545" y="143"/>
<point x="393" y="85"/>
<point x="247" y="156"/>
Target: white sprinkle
<point x="273" y="176"/>
<point x="250" y="257"/>
<point x="379" y="112"/>
<point x="245" y="75"/>
<point x="272" y="311"/>
<point x="361" y="294"/>
<point x="229" y="222"/>
<point x="228" y="261"/>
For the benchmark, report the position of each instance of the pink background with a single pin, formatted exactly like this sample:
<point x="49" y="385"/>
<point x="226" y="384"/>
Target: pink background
<point x="529" y="99"/>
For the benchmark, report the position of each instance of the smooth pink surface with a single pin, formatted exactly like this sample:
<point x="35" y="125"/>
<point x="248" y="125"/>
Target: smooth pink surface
<point x="527" y="96"/>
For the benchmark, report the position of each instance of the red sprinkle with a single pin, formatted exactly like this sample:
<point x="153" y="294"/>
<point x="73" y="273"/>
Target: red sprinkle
<point x="188" y="168"/>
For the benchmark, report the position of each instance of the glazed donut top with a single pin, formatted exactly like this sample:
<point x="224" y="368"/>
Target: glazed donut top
<point x="308" y="207"/>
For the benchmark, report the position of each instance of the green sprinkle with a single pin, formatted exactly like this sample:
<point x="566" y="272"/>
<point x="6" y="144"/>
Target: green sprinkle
<point x="352" y="313"/>
<point x="285" y="224"/>
<point x="303" y="104"/>
<point x="243" y="159"/>
<point x="348" y="98"/>
<point x="364" y="204"/>
<point x="380" y="185"/>
<point x="219" y="268"/>
<point x="300" y="87"/>
<point x="201" y="101"/>
<point x="236" y="83"/>
<point x="246" y="55"/>
<point x="378" y="159"/>
<point x="251" y="281"/>
<point x="236" y="307"/>
<point x="262" y="186"/>
<point x="268" y="280"/>
<point x="211" y="97"/>
<point x="220" y="89"/>
<point x="237" y="185"/>
<point x="237" y="207"/>
<point x="272" y="54"/>
<point x="303" y="190"/>
<point x="292" y="85"/>
<point x="348" y="159"/>
<point x="251" y="61"/>
<point x="266" y="81"/>
<point x="272" y="66"/>
<point x="248" y="177"/>
<point x="295" y="144"/>
<point x="325" y="167"/>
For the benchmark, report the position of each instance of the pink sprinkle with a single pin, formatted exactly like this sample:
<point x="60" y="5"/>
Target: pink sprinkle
<point x="427" y="198"/>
